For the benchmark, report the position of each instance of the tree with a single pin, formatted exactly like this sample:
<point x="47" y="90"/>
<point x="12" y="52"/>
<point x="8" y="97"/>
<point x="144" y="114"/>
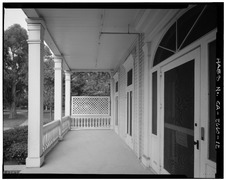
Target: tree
<point x="90" y="84"/>
<point x="15" y="66"/>
<point x="48" y="80"/>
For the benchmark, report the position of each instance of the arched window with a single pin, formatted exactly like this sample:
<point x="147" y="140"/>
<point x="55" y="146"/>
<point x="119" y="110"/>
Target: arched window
<point x="192" y="25"/>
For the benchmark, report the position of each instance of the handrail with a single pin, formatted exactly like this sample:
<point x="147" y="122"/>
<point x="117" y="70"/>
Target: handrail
<point x="66" y="124"/>
<point x="48" y="127"/>
<point x="50" y="135"/>
<point x="65" y="118"/>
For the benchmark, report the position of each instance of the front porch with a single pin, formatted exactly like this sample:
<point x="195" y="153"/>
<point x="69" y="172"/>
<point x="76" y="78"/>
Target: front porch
<point x="90" y="152"/>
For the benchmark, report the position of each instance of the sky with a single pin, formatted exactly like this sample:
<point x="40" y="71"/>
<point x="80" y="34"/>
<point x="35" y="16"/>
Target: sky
<point x="13" y="16"/>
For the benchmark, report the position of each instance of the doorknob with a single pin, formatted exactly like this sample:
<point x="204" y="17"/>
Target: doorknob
<point x="197" y="144"/>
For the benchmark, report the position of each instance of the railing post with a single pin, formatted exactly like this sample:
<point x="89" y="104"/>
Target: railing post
<point x="35" y="93"/>
<point x="58" y="92"/>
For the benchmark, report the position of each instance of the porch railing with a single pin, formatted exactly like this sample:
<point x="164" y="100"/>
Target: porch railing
<point x="66" y="124"/>
<point x="51" y="134"/>
<point x="90" y="112"/>
<point x="91" y="122"/>
<point x="53" y="131"/>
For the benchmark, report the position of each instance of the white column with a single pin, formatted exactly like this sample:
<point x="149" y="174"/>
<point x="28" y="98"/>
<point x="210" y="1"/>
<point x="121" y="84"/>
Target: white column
<point x="146" y="156"/>
<point x="58" y="89"/>
<point x="67" y="93"/>
<point x="35" y="93"/>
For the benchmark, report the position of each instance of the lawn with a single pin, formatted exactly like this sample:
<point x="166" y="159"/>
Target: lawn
<point x="22" y="116"/>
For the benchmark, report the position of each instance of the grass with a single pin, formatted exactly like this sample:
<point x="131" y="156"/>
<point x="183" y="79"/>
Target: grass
<point x="22" y="116"/>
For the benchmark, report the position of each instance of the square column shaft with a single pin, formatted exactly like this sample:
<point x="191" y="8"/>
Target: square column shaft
<point x="67" y="93"/>
<point x="58" y="88"/>
<point x="35" y="93"/>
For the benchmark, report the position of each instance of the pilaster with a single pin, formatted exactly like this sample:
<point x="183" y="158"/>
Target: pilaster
<point x="145" y="156"/>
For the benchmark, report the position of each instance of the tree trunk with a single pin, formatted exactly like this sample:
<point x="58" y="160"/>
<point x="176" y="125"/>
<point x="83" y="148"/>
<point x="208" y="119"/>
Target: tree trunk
<point x="12" y="113"/>
<point x="51" y="114"/>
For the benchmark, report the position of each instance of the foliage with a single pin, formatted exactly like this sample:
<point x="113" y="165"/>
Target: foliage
<point x="14" y="66"/>
<point x="15" y="144"/>
<point x="90" y="84"/>
<point x="48" y="81"/>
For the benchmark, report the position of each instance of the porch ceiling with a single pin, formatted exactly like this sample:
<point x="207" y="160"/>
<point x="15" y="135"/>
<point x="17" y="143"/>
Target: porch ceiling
<point x="76" y="35"/>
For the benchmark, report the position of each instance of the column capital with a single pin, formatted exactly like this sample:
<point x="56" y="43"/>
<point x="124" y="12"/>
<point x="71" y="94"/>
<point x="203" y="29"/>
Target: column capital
<point x="67" y="72"/>
<point x="57" y="58"/>
<point x="146" y="49"/>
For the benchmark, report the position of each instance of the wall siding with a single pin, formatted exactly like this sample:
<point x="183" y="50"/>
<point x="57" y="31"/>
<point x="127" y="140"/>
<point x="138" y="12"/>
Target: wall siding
<point x="122" y="101"/>
<point x="138" y="56"/>
<point x="141" y="95"/>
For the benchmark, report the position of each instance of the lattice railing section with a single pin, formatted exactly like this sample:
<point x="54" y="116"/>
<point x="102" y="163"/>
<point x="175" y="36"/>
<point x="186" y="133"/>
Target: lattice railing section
<point x="88" y="105"/>
<point x="90" y="112"/>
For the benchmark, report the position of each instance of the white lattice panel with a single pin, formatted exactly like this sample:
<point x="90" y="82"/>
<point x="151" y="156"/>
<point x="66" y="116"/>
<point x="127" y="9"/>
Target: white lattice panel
<point x="90" y="105"/>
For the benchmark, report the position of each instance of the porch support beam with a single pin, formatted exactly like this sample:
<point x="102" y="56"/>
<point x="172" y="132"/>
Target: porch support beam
<point x="58" y="89"/>
<point x="67" y="93"/>
<point x="146" y="156"/>
<point x="35" y="93"/>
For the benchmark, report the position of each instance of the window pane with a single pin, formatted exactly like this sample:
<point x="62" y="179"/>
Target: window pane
<point x="131" y="111"/>
<point x="116" y="86"/>
<point x="127" y="112"/>
<point x="161" y="55"/>
<point x="154" y="103"/>
<point x="206" y="23"/>
<point x="116" y="110"/>
<point x="186" y="21"/>
<point x="129" y="77"/>
<point x="169" y="39"/>
<point x="212" y="100"/>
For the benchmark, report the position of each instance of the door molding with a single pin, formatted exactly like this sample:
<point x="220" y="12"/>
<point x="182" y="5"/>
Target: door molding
<point x="192" y="55"/>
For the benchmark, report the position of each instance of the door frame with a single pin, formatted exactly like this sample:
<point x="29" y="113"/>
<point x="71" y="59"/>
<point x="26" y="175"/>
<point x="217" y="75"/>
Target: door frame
<point x="116" y="94"/>
<point x="192" y="55"/>
<point x="128" y="65"/>
<point x="206" y="166"/>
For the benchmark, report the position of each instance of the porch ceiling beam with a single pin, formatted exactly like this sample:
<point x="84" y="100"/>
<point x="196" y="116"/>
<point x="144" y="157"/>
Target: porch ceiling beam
<point x="34" y="17"/>
<point x="92" y="70"/>
<point x="120" y="33"/>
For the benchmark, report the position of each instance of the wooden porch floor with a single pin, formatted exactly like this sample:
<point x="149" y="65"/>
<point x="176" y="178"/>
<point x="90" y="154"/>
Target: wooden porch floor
<point x="91" y="152"/>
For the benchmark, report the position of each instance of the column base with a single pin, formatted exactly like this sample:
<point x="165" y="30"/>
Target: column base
<point x="145" y="160"/>
<point x="34" y="162"/>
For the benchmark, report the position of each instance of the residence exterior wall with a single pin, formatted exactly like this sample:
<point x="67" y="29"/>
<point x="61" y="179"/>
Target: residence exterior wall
<point x="138" y="68"/>
<point x="122" y="101"/>
<point x="141" y="95"/>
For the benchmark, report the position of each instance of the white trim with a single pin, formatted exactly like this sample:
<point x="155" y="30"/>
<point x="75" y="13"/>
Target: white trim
<point x="205" y="162"/>
<point x="128" y="64"/>
<point x="116" y="77"/>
